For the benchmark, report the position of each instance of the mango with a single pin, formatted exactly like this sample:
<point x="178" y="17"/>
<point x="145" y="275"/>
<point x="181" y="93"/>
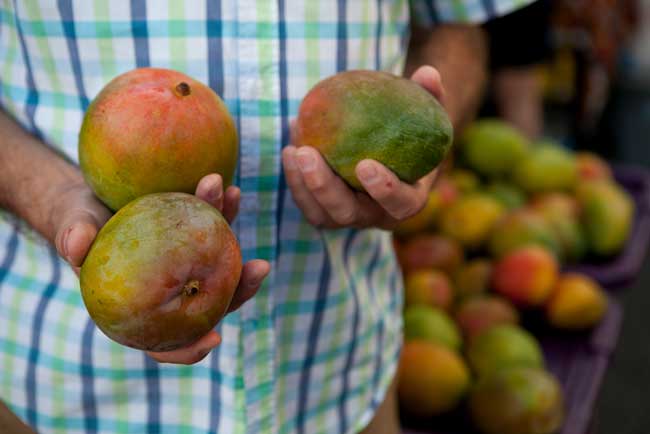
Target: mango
<point x="503" y="346"/>
<point x="470" y="219"/>
<point x="465" y="180"/>
<point x="357" y="115"/>
<point x="577" y="303"/>
<point x="521" y="228"/>
<point x="591" y="167"/>
<point x="520" y="400"/>
<point x="492" y="147"/>
<point x="428" y="252"/>
<point x="477" y="314"/>
<point x="608" y="213"/>
<point x="547" y="167"/>
<point x="556" y="202"/>
<point x="509" y="195"/>
<point x="429" y="287"/>
<point x="431" y="324"/>
<point x="432" y="379"/>
<point x="526" y="276"/>
<point x="162" y="272"/>
<point x="154" y="130"/>
<point x="472" y="278"/>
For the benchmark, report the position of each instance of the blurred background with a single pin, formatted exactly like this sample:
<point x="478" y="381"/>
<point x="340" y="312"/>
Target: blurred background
<point x="579" y="72"/>
<point x="570" y="75"/>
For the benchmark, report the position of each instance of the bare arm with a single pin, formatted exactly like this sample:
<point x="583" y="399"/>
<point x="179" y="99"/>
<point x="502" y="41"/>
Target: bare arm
<point x="33" y="178"/>
<point x="459" y="53"/>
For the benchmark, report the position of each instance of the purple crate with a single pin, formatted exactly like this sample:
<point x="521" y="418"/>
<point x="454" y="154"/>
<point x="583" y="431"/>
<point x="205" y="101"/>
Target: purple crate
<point x="578" y="360"/>
<point x="622" y="270"/>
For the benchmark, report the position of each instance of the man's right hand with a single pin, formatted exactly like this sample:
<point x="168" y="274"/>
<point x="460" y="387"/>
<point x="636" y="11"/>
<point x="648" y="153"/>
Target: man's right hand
<point x="78" y="216"/>
<point x="50" y="194"/>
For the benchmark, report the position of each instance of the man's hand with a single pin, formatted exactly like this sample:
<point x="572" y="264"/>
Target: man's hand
<point x="327" y="201"/>
<point x="78" y="216"/>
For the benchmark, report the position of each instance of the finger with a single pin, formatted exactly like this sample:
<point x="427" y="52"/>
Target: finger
<point x="231" y="203"/>
<point x="373" y="215"/>
<point x="329" y="190"/>
<point x="429" y="78"/>
<point x="399" y="199"/>
<point x="190" y="354"/>
<point x="210" y="189"/>
<point x="311" y="209"/>
<point x="253" y="275"/>
<point x="75" y="236"/>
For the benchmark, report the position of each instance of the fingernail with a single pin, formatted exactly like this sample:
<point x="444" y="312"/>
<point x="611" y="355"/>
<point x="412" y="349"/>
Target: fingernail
<point x="255" y="282"/>
<point x="306" y="161"/>
<point x="204" y="352"/>
<point x="66" y="243"/>
<point x="214" y="194"/>
<point x="290" y="162"/>
<point x="368" y="173"/>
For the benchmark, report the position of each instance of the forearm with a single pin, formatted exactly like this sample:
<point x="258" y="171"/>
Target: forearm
<point x="459" y="53"/>
<point x="31" y="176"/>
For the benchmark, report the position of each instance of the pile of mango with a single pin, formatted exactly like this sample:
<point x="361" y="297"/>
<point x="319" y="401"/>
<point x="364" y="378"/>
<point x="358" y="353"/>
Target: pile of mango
<point x="487" y="249"/>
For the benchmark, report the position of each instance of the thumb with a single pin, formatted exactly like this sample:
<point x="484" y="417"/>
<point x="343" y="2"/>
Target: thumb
<point x="75" y="235"/>
<point x="429" y="78"/>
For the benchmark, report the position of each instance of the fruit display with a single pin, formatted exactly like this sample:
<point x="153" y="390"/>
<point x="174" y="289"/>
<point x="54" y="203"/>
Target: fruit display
<point x="356" y="115"/>
<point x="510" y="228"/>
<point x="520" y="400"/>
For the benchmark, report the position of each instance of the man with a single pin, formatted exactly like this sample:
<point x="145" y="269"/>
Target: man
<point x="315" y="350"/>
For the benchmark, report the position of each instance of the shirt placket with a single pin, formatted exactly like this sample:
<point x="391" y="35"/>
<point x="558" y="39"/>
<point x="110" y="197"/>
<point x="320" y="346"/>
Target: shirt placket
<point x="258" y="92"/>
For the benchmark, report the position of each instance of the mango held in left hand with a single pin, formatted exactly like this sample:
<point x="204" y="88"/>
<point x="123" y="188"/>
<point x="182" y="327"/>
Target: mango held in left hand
<point x="357" y="115"/>
<point x="153" y="130"/>
<point x="162" y="272"/>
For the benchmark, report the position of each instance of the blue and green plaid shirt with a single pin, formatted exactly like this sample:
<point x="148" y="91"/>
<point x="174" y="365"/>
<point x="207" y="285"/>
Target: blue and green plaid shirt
<point x="317" y="347"/>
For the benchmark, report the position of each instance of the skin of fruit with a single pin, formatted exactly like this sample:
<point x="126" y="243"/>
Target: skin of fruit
<point x="479" y="313"/>
<point x="430" y="287"/>
<point x="577" y="303"/>
<point x="471" y="218"/>
<point x="153" y="130"/>
<point x="526" y="276"/>
<point x="431" y="324"/>
<point x="162" y="272"/>
<point x="592" y="167"/>
<point x="432" y="379"/>
<point x="519" y="400"/>
<point x="547" y="167"/>
<point x="608" y="213"/>
<point x="472" y="278"/>
<point x="503" y="346"/>
<point x="357" y="115"/>
<point x="520" y="228"/>
<point x="493" y="147"/>
<point x="509" y="195"/>
<point x="428" y="252"/>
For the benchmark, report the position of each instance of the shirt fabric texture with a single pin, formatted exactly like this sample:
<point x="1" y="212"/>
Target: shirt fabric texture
<point x="316" y="348"/>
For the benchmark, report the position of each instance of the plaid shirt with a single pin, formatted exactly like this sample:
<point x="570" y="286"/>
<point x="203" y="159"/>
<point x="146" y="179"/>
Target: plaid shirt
<point x="317" y="347"/>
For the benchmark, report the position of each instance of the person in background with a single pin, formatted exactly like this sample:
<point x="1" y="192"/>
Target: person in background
<point x="519" y="44"/>
<point x="315" y="350"/>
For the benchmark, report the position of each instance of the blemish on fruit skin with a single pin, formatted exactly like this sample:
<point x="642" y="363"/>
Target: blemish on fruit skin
<point x="183" y="89"/>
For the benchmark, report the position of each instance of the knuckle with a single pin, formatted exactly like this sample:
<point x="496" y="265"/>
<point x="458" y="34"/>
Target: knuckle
<point x="317" y="184"/>
<point x="315" y="219"/>
<point x="345" y="216"/>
